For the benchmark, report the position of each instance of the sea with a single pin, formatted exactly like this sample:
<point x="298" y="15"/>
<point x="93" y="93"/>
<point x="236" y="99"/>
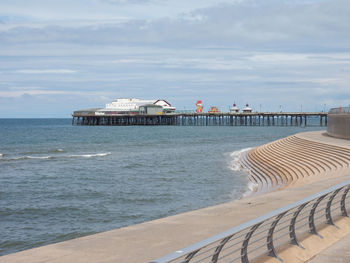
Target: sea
<point x="59" y="182"/>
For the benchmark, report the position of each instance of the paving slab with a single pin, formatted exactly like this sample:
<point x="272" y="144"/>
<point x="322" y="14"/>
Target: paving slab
<point x="337" y="253"/>
<point x="323" y="137"/>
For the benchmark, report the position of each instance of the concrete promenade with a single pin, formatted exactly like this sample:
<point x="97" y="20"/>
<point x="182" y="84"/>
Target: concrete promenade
<point x="151" y="240"/>
<point x="336" y="253"/>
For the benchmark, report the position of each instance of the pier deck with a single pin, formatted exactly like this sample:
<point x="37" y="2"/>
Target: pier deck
<point x="203" y="119"/>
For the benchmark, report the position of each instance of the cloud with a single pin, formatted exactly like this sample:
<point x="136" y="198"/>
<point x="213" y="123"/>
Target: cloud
<point x="125" y="2"/>
<point x="97" y="10"/>
<point x="263" y="25"/>
<point x="45" y="71"/>
<point x="31" y="91"/>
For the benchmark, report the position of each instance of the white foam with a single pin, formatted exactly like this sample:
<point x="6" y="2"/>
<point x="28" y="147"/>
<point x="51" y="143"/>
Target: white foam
<point x="25" y="158"/>
<point x="59" y="150"/>
<point x="37" y="157"/>
<point x="56" y="156"/>
<point x="90" y="155"/>
<point x="251" y="188"/>
<point x="1" y="155"/>
<point x="235" y="164"/>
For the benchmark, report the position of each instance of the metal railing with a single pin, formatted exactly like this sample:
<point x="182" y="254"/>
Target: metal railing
<point x="340" y="110"/>
<point x="265" y="235"/>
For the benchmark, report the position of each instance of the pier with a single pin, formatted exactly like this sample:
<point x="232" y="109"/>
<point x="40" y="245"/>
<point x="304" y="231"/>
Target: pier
<point x="203" y="119"/>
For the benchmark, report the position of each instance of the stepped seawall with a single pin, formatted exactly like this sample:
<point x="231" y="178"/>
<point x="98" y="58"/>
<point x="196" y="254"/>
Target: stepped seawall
<point x="298" y="159"/>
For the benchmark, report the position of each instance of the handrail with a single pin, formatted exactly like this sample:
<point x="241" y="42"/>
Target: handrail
<point x="213" y="247"/>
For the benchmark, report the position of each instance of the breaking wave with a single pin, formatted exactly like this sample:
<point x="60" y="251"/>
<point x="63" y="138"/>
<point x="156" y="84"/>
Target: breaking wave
<point x="27" y="157"/>
<point x="90" y="155"/>
<point x="251" y="188"/>
<point x="235" y="164"/>
<point x="38" y="157"/>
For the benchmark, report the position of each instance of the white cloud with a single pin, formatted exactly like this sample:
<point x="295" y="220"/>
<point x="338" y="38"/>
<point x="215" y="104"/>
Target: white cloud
<point x="45" y="71"/>
<point x="264" y="25"/>
<point x="40" y="92"/>
<point x="41" y="10"/>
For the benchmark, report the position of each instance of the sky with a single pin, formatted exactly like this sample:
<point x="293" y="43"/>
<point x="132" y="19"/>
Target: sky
<point x="57" y="56"/>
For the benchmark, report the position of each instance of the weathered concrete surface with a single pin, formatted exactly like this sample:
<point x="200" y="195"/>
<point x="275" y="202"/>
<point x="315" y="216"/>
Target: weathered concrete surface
<point x="337" y="253"/>
<point x="323" y="137"/>
<point x="339" y="125"/>
<point x="150" y="240"/>
<point x="296" y="160"/>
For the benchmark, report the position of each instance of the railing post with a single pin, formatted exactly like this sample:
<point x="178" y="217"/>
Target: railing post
<point x="312" y="226"/>
<point x="190" y="256"/>
<point x="218" y="249"/>
<point x="292" y="235"/>
<point x="342" y="202"/>
<point x="244" y="249"/>
<point x="270" y="247"/>
<point x="328" y="207"/>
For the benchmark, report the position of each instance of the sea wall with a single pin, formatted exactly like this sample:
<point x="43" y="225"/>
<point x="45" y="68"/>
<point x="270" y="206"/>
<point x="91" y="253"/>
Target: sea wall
<point x="339" y="123"/>
<point x="300" y="158"/>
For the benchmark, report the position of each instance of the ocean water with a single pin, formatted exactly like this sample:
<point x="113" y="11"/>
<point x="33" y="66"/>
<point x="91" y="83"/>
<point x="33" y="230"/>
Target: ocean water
<point x="59" y="181"/>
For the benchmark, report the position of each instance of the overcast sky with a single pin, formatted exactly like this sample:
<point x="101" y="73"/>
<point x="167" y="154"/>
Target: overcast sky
<point x="57" y="56"/>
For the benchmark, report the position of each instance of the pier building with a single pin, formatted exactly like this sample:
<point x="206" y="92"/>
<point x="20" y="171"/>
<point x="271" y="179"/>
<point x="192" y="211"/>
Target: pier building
<point x="199" y="106"/>
<point x="132" y="106"/>
<point x="234" y="109"/>
<point x="247" y="109"/>
<point x="151" y="109"/>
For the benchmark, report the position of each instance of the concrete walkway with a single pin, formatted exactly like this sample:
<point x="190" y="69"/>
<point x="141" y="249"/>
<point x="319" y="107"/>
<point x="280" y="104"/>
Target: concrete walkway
<point x="323" y="137"/>
<point x="337" y="253"/>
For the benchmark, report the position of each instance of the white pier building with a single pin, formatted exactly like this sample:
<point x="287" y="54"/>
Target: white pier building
<point x="132" y="106"/>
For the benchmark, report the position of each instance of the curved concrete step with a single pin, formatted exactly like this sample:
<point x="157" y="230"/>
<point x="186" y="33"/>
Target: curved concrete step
<point x="288" y="160"/>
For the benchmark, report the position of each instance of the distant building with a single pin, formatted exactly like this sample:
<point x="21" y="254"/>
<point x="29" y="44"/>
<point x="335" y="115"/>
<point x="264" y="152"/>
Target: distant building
<point x="199" y="106"/>
<point x="132" y="106"/>
<point x="151" y="109"/>
<point x="247" y="108"/>
<point x="234" y="109"/>
<point x="214" y="109"/>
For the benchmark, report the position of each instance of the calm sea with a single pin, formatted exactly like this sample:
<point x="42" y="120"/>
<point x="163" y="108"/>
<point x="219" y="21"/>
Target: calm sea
<point x="59" y="181"/>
